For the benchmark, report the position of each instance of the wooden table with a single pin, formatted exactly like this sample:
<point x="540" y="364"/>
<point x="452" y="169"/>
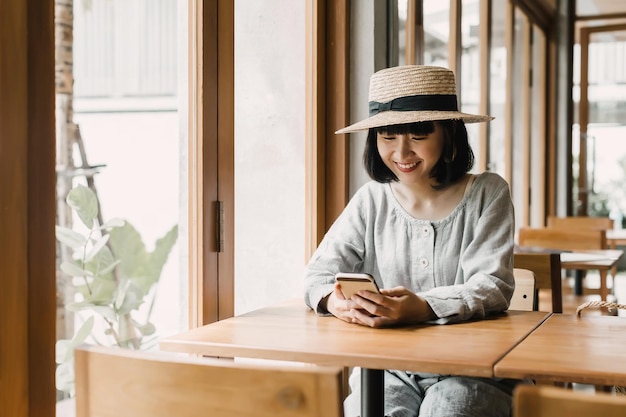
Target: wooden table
<point x="615" y="237"/>
<point x="585" y="260"/>
<point x="292" y="332"/>
<point x="601" y="260"/>
<point x="566" y="348"/>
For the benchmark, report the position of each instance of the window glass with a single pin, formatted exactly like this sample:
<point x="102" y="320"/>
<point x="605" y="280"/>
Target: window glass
<point x="402" y="17"/>
<point x="269" y="152"/>
<point x="518" y="190"/>
<point x="538" y="129"/>
<point x="606" y="154"/>
<point x="470" y="68"/>
<point x="129" y="149"/>
<point x="436" y="32"/>
<point x="497" y="89"/>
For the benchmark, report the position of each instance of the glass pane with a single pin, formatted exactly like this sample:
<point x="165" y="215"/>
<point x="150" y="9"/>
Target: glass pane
<point x="470" y="69"/>
<point x="537" y="134"/>
<point x="497" y="89"/>
<point x="518" y="192"/>
<point x="269" y="152"/>
<point x="436" y="32"/>
<point x="402" y="17"/>
<point x="606" y="149"/>
<point x="129" y="149"/>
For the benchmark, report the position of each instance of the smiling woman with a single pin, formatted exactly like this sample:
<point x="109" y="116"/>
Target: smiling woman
<point x="438" y="240"/>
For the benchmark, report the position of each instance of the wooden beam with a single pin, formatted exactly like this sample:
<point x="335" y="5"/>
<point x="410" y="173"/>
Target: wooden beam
<point x="27" y="204"/>
<point x="327" y="189"/>
<point x="485" y="84"/>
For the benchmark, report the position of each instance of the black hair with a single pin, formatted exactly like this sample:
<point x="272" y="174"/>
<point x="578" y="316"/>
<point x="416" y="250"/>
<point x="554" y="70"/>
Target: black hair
<point x="456" y="159"/>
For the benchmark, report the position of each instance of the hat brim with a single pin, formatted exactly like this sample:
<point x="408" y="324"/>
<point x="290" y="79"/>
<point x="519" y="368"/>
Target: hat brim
<point x="391" y="117"/>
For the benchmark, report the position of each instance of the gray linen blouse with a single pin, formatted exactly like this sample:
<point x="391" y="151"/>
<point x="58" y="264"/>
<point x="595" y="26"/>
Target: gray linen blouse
<point x="461" y="265"/>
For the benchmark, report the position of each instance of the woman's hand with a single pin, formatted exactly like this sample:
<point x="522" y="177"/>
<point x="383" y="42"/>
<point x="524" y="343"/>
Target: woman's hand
<point x="392" y="306"/>
<point x="338" y="306"/>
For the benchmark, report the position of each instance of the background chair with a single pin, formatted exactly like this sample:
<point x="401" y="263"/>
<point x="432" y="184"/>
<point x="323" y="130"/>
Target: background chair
<point x="547" y="269"/>
<point x="114" y="382"/>
<point x="561" y="239"/>
<point x="583" y="222"/>
<point x="546" y="401"/>
<point x="524" y="294"/>
<point x="580" y="222"/>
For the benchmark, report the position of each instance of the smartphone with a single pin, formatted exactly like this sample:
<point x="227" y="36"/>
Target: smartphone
<point x="352" y="283"/>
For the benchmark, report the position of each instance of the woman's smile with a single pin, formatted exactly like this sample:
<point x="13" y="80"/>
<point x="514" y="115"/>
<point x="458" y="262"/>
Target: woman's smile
<point x="406" y="167"/>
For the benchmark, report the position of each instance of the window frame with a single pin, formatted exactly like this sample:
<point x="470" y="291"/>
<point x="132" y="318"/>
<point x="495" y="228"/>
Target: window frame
<point x="27" y="187"/>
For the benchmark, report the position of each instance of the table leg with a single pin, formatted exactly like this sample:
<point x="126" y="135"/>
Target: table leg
<point x="372" y="392"/>
<point x="613" y="245"/>
<point x="578" y="282"/>
<point x="604" y="291"/>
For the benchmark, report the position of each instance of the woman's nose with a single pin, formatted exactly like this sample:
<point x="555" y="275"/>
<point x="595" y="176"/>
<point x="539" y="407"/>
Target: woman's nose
<point x="404" y="145"/>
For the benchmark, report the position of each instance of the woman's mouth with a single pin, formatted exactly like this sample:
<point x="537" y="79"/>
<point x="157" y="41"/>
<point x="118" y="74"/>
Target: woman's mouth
<point x="406" y="167"/>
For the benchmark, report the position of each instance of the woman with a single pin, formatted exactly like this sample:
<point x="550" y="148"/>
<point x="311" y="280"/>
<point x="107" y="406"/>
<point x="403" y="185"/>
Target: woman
<point x="437" y="239"/>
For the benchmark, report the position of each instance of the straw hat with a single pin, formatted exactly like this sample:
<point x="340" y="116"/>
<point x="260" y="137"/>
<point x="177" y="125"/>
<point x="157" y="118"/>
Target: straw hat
<point x="412" y="93"/>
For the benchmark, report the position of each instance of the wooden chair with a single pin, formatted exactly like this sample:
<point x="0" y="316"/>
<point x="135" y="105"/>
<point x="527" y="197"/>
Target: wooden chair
<point x="547" y="401"/>
<point x="580" y="222"/>
<point x="561" y="239"/>
<point x="583" y="222"/>
<point x="114" y="382"/>
<point x="524" y="294"/>
<point x="547" y="269"/>
<point x="558" y="239"/>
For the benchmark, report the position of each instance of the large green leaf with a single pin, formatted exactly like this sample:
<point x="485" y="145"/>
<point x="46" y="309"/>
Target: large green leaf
<point x="161" y="252"/>
<point x="143" y="268"/>
<point x="102" y="291"/>
<point x="101" y="263"/>
<point x="128" y="298"/>
<point x="103" y="310"/>
<point x="97" y="247"/>
<point x="127" y="246"/>
<point x="110" y="224"/>
<point x="70" y="238"/>
<point x="74" y="270"/>
<point x="84" y="201"/>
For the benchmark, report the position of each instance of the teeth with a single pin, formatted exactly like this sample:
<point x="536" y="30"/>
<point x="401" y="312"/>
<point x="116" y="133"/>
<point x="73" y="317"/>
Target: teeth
<point x="407" y="166"/>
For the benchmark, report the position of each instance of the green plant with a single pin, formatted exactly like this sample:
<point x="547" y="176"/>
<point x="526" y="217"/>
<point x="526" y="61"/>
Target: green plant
<point x="114" y="276"/>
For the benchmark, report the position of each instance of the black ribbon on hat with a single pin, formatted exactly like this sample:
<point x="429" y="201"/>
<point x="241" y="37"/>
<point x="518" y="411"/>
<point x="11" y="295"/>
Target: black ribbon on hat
<point x="435" y="102"/>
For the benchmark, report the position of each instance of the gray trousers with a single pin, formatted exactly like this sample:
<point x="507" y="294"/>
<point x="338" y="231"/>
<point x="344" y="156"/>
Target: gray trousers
<point x="409" y="394"/>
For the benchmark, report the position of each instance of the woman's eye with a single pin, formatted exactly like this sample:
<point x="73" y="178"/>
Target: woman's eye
<point x="418" y="137"/>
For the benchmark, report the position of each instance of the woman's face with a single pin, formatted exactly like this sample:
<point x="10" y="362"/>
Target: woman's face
<point x="411" y="157"/>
